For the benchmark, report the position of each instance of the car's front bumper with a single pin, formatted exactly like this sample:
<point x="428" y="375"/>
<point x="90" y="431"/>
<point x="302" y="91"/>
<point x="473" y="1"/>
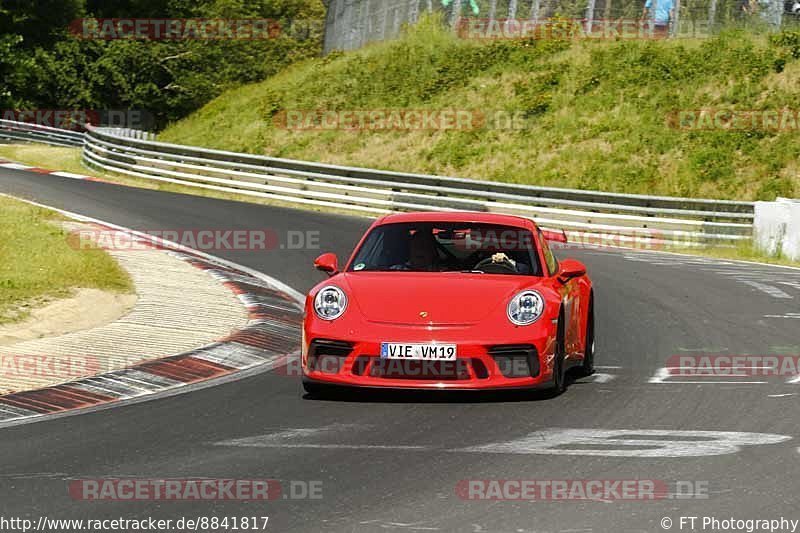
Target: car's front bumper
<point x="516" y="358"/>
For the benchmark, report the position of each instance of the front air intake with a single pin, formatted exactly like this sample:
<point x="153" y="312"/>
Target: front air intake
<point x="327" y="356"/>
<point x="516" y="360"/>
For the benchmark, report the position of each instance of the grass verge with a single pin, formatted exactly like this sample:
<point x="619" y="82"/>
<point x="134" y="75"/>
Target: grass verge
<point x="37" y="264"/>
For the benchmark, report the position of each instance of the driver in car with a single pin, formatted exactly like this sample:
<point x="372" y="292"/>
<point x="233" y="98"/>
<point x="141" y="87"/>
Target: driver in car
<point x="424" y="257"/>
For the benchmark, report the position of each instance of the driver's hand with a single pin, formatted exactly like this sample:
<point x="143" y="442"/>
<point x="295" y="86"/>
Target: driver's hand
<point x="501" y="257"/>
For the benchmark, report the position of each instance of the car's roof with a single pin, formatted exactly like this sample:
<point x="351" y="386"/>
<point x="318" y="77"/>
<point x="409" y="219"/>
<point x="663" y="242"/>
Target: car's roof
<point x="455" y="216"/>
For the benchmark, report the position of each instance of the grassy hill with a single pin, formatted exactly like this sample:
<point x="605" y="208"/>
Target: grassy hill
<point x="596" y="114"/>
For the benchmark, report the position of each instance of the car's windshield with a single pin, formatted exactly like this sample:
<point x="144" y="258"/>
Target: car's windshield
<point x="448" y="247"/>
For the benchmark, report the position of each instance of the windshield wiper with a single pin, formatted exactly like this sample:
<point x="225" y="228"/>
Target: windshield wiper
<point x="473" y="272"/>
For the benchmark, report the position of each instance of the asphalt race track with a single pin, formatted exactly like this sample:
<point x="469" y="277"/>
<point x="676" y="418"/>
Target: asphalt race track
<point x="394" y="462"/>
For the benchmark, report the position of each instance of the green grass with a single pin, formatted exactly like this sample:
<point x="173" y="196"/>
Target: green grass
<point x="37" y="264"/>
<point x="595" y="114"/>
<point x="44" y="156"/>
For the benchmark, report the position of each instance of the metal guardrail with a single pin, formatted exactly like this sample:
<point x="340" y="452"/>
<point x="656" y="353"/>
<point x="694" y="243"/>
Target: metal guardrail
<point x="17" y="131"/>
<point x="629" y="218"/>
<point x="622" y="219"/>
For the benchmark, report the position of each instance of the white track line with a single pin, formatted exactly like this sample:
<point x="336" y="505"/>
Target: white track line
<point x="769" y="290"/>
<point x="663" y="374"/>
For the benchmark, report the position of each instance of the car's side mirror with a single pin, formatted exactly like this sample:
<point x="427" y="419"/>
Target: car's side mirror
<point x="327" y="263"/>
<point x="569" y="269"/>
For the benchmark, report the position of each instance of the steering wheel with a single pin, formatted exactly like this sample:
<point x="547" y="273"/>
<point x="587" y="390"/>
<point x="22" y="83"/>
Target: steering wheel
<point x="490" y="267"/>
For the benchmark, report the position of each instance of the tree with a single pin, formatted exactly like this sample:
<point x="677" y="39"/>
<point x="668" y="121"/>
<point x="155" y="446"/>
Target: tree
<point x="39" y="22"/>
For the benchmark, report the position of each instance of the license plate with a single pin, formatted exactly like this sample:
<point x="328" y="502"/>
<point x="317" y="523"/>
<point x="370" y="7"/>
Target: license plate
<point x="418" y="351"/>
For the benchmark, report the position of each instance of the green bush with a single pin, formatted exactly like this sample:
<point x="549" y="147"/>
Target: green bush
<point x="52" y="69"/>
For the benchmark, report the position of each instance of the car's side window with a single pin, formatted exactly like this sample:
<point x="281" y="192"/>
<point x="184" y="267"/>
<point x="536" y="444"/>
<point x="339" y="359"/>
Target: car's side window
<point x="549" y="258"/>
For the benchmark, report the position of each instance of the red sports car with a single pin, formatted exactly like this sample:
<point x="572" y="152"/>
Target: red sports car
<point x="453" y="300"/>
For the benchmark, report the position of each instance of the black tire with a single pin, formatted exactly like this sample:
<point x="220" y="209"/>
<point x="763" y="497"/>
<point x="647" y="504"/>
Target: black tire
<point x="559" y="372"/>
<point x="587" y="369"/>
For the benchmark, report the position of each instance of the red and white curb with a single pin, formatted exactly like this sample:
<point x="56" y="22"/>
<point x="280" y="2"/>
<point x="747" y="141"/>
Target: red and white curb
<point x="272" y="333"/>
<point x="18" y="166"/>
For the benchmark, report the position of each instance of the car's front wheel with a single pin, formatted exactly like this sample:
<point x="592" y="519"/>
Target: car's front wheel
<point x="559" y="371"/>
<point x="587" y="369"/>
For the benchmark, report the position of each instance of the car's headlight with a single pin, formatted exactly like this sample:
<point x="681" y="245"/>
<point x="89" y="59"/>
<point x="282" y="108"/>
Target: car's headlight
<point x="525" y="308"/>
<point x="330" y="302"/>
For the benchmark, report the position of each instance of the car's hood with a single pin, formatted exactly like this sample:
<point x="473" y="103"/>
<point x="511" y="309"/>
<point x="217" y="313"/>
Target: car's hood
<point x="446" y="298"/>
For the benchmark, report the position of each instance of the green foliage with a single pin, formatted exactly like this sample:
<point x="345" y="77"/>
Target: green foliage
<point x="776" y="186"/>
<point x="789" y="40"/>
<point x="169" y="79"/>
<point x="39" y="22"/>
<point x="12" y="65"/>
<point x="710" y="162"/>
<point x="535" y="95"/>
